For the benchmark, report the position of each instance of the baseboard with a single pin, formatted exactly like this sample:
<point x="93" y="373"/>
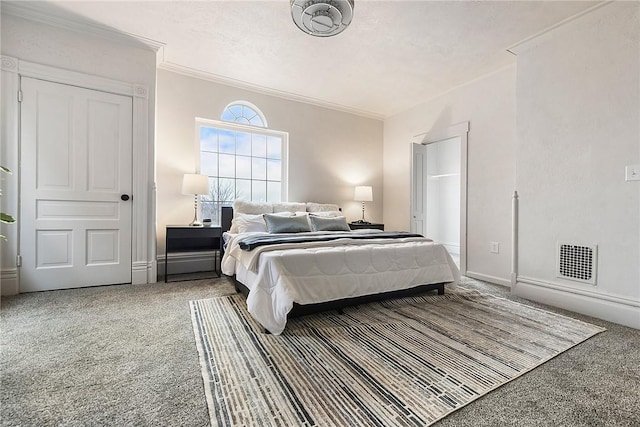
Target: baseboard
<point x="188" y="262"/>
<point x="152" y="272"/>
<point x="9" y="282"/>
<point x="612" y="308"/>
<point x="141" y="273"/>
<point x="488" y="278"/>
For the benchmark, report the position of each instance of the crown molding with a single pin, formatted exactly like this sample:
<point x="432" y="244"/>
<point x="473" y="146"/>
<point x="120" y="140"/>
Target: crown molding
<point x="203" y="75"/>
<point x="31" y="11"/>
<point x="545" y="34"/>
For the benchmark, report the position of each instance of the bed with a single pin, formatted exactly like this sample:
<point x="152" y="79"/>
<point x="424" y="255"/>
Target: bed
<point x="327" y="267"/>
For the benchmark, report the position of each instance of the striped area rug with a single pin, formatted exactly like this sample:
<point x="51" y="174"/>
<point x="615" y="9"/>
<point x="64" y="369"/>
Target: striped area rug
<point x="405" y="362"/>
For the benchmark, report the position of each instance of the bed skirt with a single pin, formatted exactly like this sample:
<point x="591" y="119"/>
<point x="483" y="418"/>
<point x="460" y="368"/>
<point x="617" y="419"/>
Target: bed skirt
<point x="304" y="309"/>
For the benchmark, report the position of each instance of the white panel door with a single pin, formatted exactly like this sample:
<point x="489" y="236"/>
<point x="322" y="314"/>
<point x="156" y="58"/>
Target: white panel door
<point x="76" y="151"/>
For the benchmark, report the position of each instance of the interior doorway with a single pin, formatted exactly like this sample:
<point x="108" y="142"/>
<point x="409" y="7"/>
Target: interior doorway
<point x="443" y="194"/>
<point x="438" y="197"/>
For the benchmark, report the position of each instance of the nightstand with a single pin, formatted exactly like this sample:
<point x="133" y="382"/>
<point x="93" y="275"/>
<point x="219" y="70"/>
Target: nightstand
<point x="185" y="238"/>
<point x="362" y="225"/>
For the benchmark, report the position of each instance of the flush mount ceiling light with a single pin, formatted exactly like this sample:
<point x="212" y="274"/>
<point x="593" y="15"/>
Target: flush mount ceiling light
<point x="322" y="18"/>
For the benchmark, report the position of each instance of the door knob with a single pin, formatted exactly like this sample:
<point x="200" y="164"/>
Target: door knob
<point x="124" y="197"/>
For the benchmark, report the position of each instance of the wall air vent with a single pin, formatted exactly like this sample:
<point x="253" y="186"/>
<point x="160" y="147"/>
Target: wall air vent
<point x="577" y="262"/>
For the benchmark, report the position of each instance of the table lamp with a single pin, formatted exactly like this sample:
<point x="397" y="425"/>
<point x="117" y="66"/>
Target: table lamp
<point x="195" y="184"/>
<point x="363" y="193"/>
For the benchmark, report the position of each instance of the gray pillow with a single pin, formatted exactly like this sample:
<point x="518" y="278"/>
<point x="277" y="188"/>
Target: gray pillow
<point x="319" y="223"/>
<point x="286" y="224"/>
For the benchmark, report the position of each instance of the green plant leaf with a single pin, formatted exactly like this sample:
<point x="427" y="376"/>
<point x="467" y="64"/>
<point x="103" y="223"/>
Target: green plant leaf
<point x="6" y="218"/>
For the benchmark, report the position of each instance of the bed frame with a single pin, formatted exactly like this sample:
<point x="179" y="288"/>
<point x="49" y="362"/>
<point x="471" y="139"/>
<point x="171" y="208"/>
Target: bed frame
<point x="304" y="309"/>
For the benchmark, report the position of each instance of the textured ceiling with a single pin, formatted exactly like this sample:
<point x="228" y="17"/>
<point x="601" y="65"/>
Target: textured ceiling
<point x="394" y="55"/>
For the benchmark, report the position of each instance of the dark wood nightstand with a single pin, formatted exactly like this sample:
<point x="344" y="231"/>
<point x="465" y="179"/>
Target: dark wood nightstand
<point x="184" y="238"/>
<point x="362" y="225"/>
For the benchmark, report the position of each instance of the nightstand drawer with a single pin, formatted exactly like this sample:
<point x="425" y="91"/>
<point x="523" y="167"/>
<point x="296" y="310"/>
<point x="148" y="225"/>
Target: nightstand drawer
<point x="361" y="226"/>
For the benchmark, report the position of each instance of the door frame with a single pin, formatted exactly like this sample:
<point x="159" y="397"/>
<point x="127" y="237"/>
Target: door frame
<point x="460" y="130"/>
<point x="143" y="236"/>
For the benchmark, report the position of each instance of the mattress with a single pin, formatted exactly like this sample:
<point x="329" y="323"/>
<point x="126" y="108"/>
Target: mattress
<point x="309" y="273"/>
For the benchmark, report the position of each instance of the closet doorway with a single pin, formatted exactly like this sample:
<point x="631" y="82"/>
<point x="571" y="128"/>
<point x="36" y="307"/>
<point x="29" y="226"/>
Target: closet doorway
<point x="439" y="189"/>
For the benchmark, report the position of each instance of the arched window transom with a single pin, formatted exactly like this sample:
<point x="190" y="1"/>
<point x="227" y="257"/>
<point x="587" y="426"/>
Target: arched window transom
<point x="244" y="112"/>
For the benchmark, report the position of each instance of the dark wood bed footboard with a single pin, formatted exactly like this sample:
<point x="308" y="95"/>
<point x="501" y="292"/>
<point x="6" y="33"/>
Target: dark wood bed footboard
<point x="304" y="309"/>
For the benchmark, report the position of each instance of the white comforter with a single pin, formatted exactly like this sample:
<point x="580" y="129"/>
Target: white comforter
<point x="307" y="273"/>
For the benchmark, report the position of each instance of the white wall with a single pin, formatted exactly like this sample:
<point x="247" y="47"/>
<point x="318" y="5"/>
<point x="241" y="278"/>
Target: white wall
<point x="578" y="117"/>
<point x="58" y="47"/>
<point x="329" y="151"/>
<point x="488" y="104"/>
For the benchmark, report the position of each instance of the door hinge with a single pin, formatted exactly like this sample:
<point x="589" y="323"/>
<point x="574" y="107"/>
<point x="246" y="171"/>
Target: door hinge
<point x="19" y="261"/>
<point x="19" y="95"/>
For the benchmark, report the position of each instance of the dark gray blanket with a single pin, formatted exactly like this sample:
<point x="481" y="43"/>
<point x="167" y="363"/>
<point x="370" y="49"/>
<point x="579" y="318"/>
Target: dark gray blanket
<point x="251" y="242"/>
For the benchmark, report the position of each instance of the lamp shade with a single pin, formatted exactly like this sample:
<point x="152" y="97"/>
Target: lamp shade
<point x="193" y="183"/>
<point x="363" y="193"/>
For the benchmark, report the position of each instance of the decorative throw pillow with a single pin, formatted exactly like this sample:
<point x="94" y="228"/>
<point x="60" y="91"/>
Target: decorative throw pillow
<point x="288" y="224"/>
<point x="321" y="223"/>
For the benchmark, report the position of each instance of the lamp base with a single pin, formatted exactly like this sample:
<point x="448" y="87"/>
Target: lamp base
<point x="362" y="221"/>
<point x="195" y="222"/>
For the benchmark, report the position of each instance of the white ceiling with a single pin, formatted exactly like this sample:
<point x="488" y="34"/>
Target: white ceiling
<point x="393" y="56"/>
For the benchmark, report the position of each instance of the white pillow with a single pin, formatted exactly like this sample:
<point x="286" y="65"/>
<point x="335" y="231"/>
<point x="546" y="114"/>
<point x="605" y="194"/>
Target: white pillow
<point x="327" y="214"/>
<point x="321" y="207"/>
<point x="242" y="206"/>
<point x="247" y="223"/>
<point x="245" y="207"/>
<point x="288" y="207"/>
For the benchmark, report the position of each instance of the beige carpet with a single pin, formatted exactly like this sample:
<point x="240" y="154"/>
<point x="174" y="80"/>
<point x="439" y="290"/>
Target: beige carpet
<point x="404" y="362"/>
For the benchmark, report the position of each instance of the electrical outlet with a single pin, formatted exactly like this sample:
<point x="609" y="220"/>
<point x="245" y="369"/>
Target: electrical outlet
<point x="494" y="247"/>
<point x="632" y="173"/>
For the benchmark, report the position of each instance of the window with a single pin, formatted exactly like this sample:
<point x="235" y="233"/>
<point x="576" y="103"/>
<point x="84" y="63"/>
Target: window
<point x="244" y="112"/>
<point x="242" y="161"/>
